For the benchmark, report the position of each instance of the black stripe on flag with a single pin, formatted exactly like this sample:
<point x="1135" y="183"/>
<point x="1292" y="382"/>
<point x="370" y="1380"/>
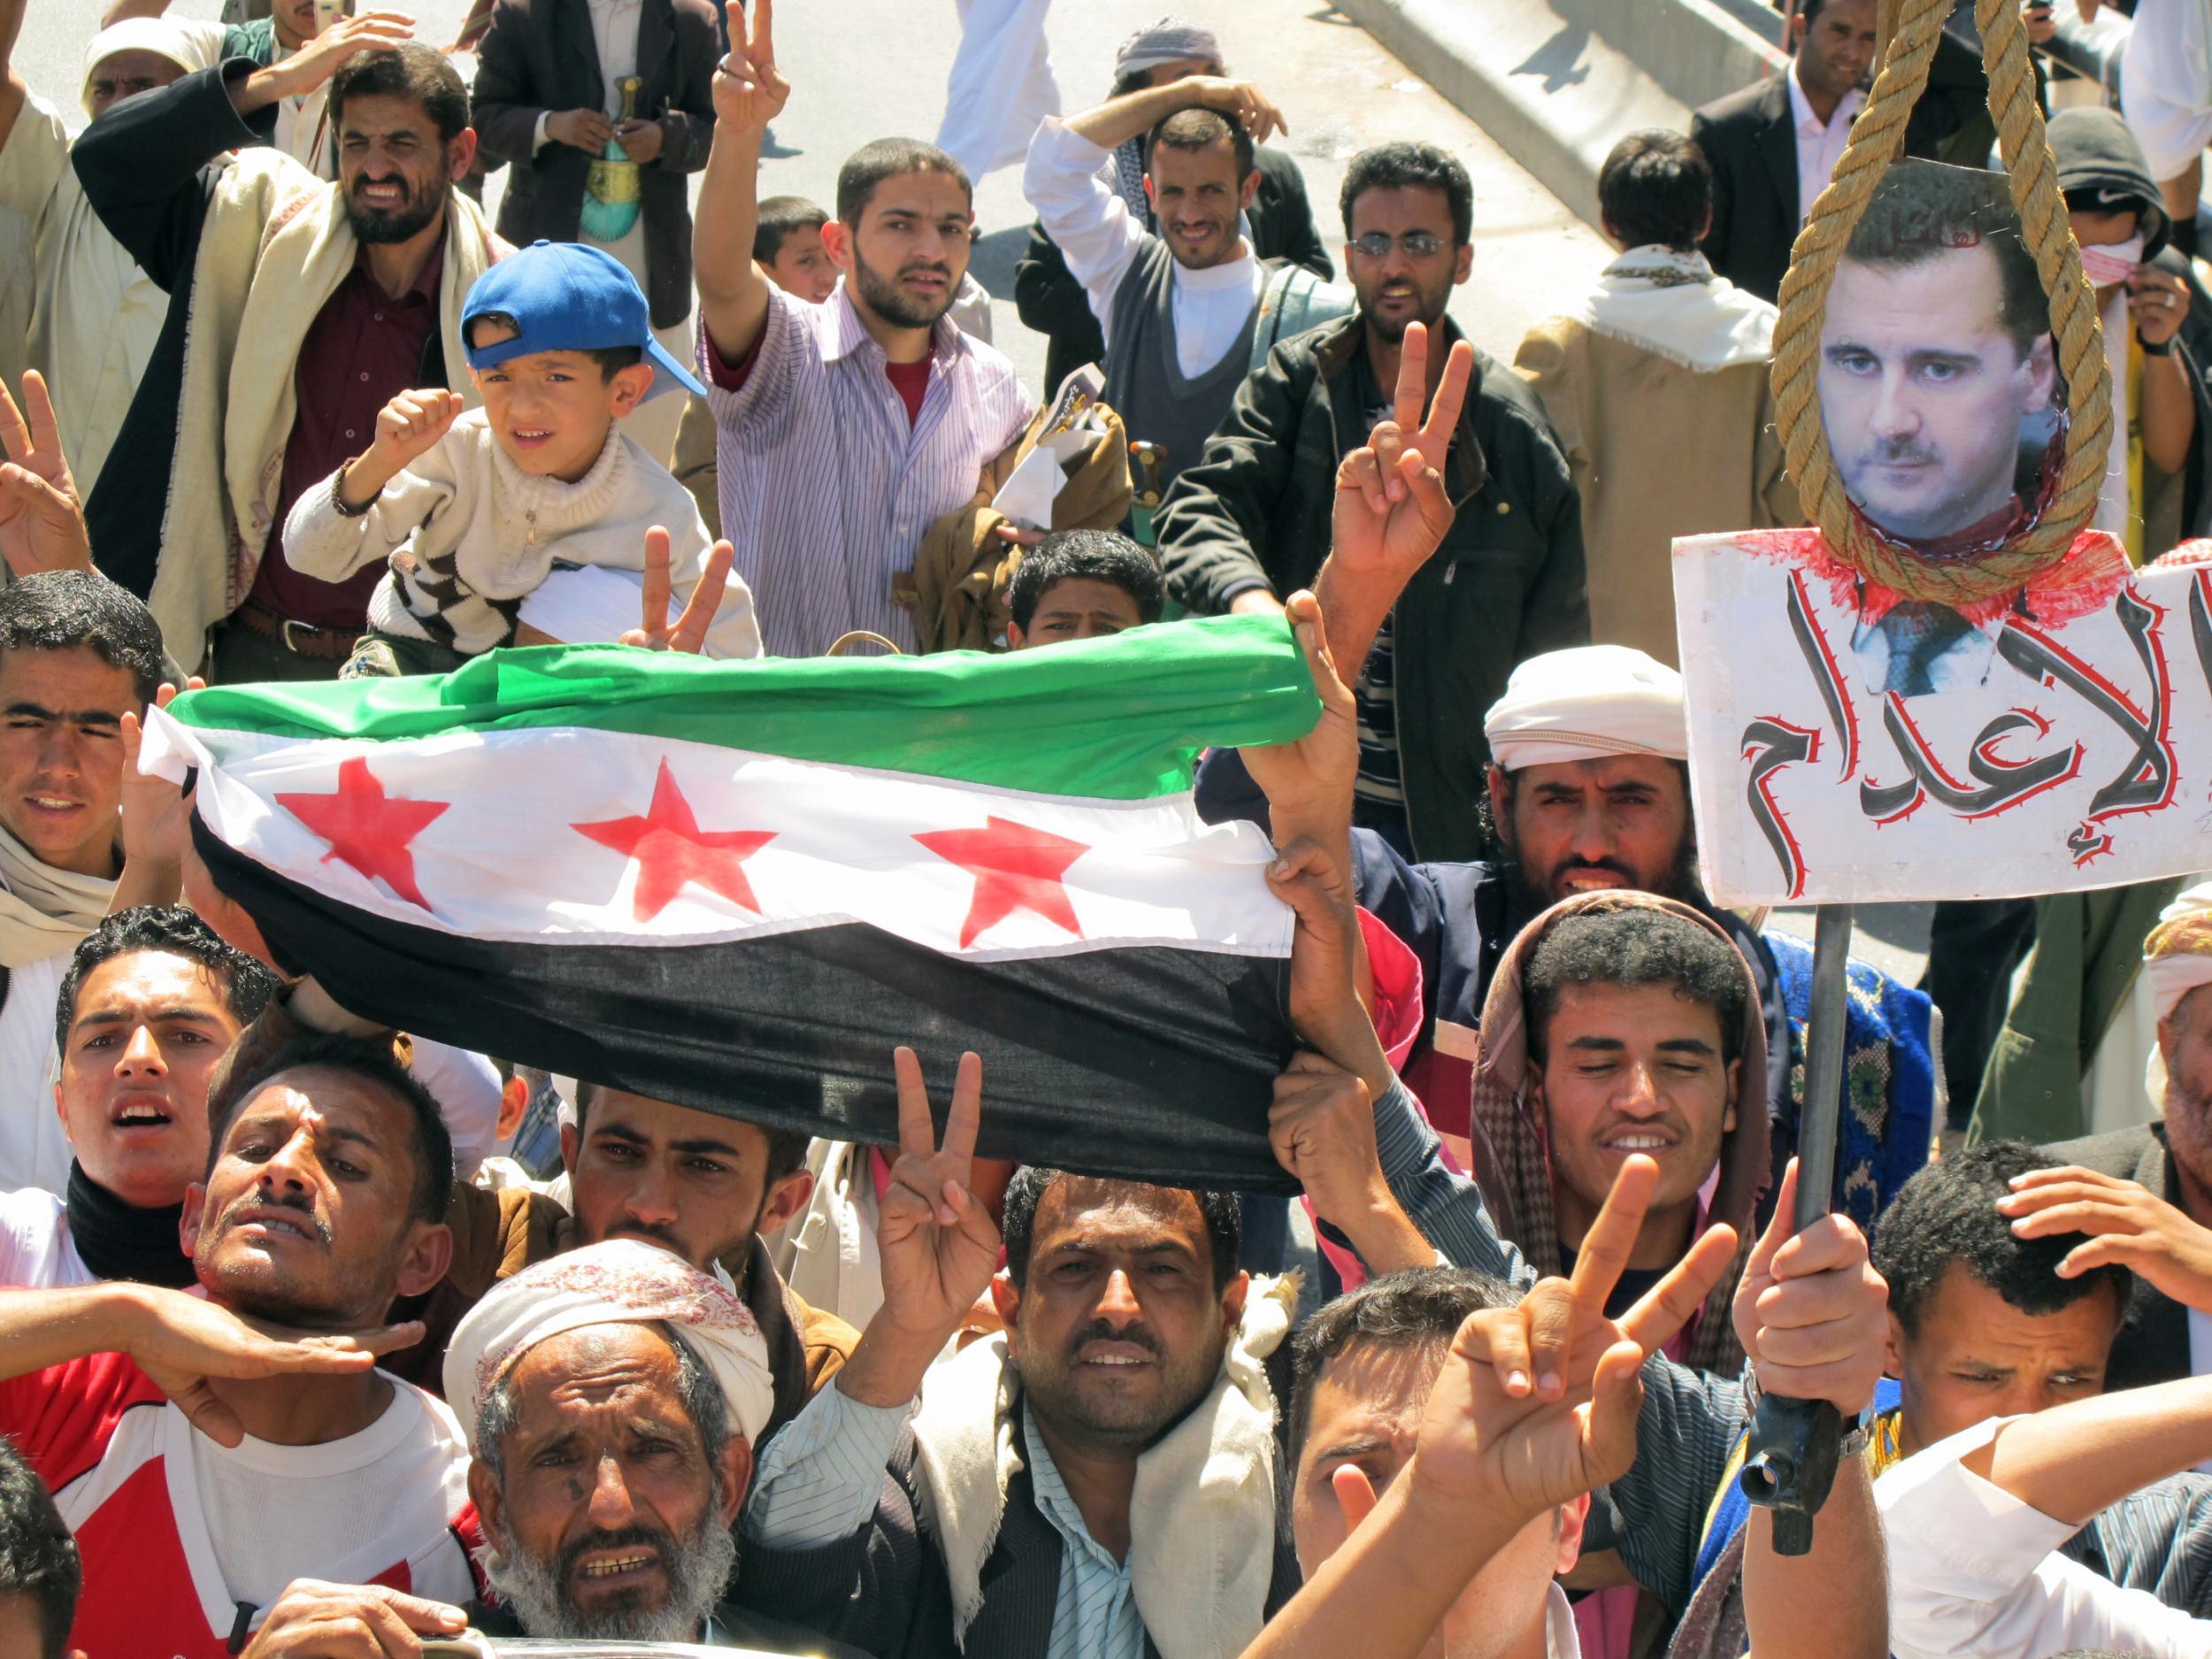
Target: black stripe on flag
<point x="1150" y="1062"/>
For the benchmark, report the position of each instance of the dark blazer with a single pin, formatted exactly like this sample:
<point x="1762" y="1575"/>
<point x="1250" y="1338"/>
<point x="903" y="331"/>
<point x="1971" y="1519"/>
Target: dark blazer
<point x="2154" y="1344"/>
<point x="1751" y="143"/>
<point x="886" y="1589"/>
<point x="539" y="54"/>
<point x="1053" y="303"/>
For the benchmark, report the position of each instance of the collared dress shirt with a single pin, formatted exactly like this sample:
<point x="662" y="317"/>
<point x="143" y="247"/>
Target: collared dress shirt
<point x="1820" y="147"/>
<point x="826" y="487"/>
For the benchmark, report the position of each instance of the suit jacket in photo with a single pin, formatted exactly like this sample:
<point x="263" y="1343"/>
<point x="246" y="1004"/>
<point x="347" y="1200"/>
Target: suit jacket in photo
<point x="1750" y="139"/>
<point x="539" y="54"/>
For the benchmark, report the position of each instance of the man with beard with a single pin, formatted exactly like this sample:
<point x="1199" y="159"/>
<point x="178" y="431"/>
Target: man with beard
<point x="844" y="430"/>
<point x="202" y="1460"/>
<point x="150" y="1001"/>
<point x="1187" y="303"/>
<point x="1044" y="1501"/>
<point x="1250" y="523"/>
<point x="298" y="310"/>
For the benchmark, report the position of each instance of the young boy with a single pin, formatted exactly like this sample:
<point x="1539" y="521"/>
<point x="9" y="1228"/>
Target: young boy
<point x="532" y="510"/>
<point x="1080" y="585"/>
<point x="788" y="246"/>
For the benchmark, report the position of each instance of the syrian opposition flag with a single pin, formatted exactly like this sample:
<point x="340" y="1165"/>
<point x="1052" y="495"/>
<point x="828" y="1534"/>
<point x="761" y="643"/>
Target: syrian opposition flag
<point x="738" y="885"/>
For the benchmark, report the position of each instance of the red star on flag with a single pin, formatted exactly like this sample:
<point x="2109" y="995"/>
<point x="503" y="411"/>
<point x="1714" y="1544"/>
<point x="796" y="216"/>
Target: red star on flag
<point x="1015" y="867"/>
<point x="672" y="850"/>
<point x="367" y="828"/>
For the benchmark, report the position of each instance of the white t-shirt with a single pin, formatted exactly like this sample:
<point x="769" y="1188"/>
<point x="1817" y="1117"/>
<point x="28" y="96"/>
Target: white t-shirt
<point x="37" y="1251"/>
<point x="33" y="1151"/>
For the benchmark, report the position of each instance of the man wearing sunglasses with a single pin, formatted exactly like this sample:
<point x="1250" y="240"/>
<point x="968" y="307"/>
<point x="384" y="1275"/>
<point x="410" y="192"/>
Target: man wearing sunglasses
<point x="1249" y="522"/>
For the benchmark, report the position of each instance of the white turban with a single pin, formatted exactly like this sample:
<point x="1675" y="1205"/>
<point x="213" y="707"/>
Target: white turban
<point x="159" y="35"/>
<point x="620" y="1282"/>
<point x="2177" y="954"/>
<point x="1166" y="40"/>
<point x="1582" y="703"/>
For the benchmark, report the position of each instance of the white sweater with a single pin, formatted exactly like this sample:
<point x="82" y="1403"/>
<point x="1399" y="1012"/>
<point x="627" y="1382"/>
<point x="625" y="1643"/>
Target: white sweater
<point x="471" y="536"/>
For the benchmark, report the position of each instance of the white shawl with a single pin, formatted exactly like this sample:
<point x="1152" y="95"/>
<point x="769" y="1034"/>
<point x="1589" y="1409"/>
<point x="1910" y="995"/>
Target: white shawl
<point x="1674" y="305"/>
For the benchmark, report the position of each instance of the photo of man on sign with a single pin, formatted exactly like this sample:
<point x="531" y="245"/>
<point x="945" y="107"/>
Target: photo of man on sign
<point x="1940" y="393"/>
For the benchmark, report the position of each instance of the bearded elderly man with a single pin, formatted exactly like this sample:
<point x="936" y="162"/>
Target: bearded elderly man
<point x="297" y="308"/>
<point x="1045" y="1501"/>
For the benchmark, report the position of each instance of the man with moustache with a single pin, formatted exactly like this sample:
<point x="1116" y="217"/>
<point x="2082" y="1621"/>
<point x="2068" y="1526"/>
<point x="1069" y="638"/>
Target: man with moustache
<point x="298" y="310"/>
<point x="844" y="430"/>
<point x="1250" y="522"/>
<point x="150" y="1002"/>
<point x="203" y="1462"/>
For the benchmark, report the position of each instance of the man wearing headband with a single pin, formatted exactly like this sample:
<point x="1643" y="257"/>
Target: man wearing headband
<point x="612" y="1398"/>
<point x="2147" y="1191"/>
<point x="1277" y="221"/>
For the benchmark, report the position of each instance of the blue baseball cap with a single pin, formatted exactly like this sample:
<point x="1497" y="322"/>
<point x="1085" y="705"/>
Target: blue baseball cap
<point x="569" y="296"/>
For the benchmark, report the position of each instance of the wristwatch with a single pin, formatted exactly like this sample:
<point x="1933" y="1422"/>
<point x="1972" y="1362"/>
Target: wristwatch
<point x="2163" y="348"/>
<point x="1857" y="1437"/>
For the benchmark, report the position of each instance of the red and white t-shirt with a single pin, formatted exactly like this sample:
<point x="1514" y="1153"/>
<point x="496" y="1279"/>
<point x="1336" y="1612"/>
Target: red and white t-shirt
<point x="178" y="1533"/>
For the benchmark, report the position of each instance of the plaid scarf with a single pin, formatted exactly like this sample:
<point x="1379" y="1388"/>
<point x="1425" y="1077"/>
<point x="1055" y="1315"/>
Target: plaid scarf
<point x="1515" y="1174"/>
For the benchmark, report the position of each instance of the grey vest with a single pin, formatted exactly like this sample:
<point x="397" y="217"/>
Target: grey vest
<point x="1144" y="382"/>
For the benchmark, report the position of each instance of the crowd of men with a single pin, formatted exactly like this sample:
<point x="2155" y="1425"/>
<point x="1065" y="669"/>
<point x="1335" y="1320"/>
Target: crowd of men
<point x="327" y="1341"/>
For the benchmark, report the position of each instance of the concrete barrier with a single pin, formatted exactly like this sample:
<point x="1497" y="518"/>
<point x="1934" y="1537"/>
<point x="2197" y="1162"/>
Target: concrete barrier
<point x="1557" y="82"/>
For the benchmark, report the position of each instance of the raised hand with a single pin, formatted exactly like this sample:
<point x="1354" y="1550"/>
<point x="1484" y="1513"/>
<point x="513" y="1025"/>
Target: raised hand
<point x="157" y="815"/>
<point x="181" y="1343"/>
<point x="2127" y="1225"/>
<point x="689" y="633"/>
<point x="937" y="1242"/>
<point x="319" y="59"/>
<point x="1392" y="509"/>
<point x="411" y="423"/>
<point x="1252" y="108"/>
<point x="1537" y="1403"/>
<point x="41" y="521"/>
<point x="1308" y="780"/>
<point x="1811" y="1312"/>
<point x="1328" y="962"/>
<point x="749" y="91"/>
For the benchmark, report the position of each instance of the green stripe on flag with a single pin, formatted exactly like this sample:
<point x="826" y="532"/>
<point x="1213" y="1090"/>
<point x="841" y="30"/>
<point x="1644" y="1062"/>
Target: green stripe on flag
<point x="1116" y="719"/>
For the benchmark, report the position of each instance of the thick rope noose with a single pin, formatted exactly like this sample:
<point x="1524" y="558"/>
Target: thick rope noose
<point x="1877" y="139"/>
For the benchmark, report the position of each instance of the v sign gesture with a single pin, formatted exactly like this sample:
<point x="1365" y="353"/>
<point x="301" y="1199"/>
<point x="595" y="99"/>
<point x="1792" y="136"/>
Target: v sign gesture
<point x="689" y="633"/>
<point x="1393" y="506"/>
<point x="41" y="521"/>
<point x="936" y="1240"/>
<point x="749" y="92"/>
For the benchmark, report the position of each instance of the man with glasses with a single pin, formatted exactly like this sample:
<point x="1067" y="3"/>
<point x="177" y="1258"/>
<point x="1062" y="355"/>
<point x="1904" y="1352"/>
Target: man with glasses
<point x="1250" y="522"/>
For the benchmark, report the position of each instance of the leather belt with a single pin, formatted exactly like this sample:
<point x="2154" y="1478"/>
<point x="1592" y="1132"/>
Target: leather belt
<point x="301" y="639"/>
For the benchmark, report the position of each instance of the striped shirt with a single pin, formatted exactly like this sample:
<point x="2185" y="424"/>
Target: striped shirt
<point x="826" y="490"/>
<point x="1095" y="1616"/>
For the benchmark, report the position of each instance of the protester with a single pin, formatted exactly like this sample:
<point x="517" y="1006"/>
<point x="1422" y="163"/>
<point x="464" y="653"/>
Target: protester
<point x="1277" y="221"/>
<point x="620" y="1358"/>
<point x="1250" y="522"/>
<point x="2145" y="290"/>
<point x="276" y="1457"/>
<point x="95" y="315"/>
<point x="77" y="654"/>
<point x="150" y="1002"/>
<point x="560" y="350"/>
<point x="1000" y="85"/>
<point x="2163" y="74"/>
<point x="1662" y="343"/>
<point x="875" y="389"/>
<point x="1082" y="585"/>
<point x="2147" y="1191"/>
<point x="326" y="300"/>
<point x="39" y="1574"/>
<point x="553" y="112"/>
<point x="788" y="245"/>
<point x="1190" y="309"/>
<point x="1045" y="1499"/>
<point x="1774" y="145"/>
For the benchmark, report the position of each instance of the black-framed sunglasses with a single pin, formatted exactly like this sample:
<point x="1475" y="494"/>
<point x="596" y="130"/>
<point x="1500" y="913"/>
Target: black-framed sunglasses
<point x="1418" y="244"/>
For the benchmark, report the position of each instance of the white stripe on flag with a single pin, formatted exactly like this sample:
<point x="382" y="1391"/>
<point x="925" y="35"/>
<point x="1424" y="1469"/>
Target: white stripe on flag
<point x="505" y="858"/>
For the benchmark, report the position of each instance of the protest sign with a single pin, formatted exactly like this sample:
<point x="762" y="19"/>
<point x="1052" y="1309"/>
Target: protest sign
<point x="2068" y="744"/>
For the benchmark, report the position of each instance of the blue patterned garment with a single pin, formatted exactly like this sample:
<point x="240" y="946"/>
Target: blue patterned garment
<point x="1890" y="1113"/>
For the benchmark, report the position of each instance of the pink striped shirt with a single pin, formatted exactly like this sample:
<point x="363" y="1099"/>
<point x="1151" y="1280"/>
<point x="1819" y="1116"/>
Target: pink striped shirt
<point x="826" y="489"/>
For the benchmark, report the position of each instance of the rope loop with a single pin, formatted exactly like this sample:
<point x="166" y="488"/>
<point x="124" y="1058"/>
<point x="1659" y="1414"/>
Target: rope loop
<point x="1877" y="139"/>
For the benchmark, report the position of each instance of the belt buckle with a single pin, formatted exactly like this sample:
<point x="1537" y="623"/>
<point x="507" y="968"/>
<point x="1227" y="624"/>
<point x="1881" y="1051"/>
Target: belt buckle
<point x="285" y="625"/>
